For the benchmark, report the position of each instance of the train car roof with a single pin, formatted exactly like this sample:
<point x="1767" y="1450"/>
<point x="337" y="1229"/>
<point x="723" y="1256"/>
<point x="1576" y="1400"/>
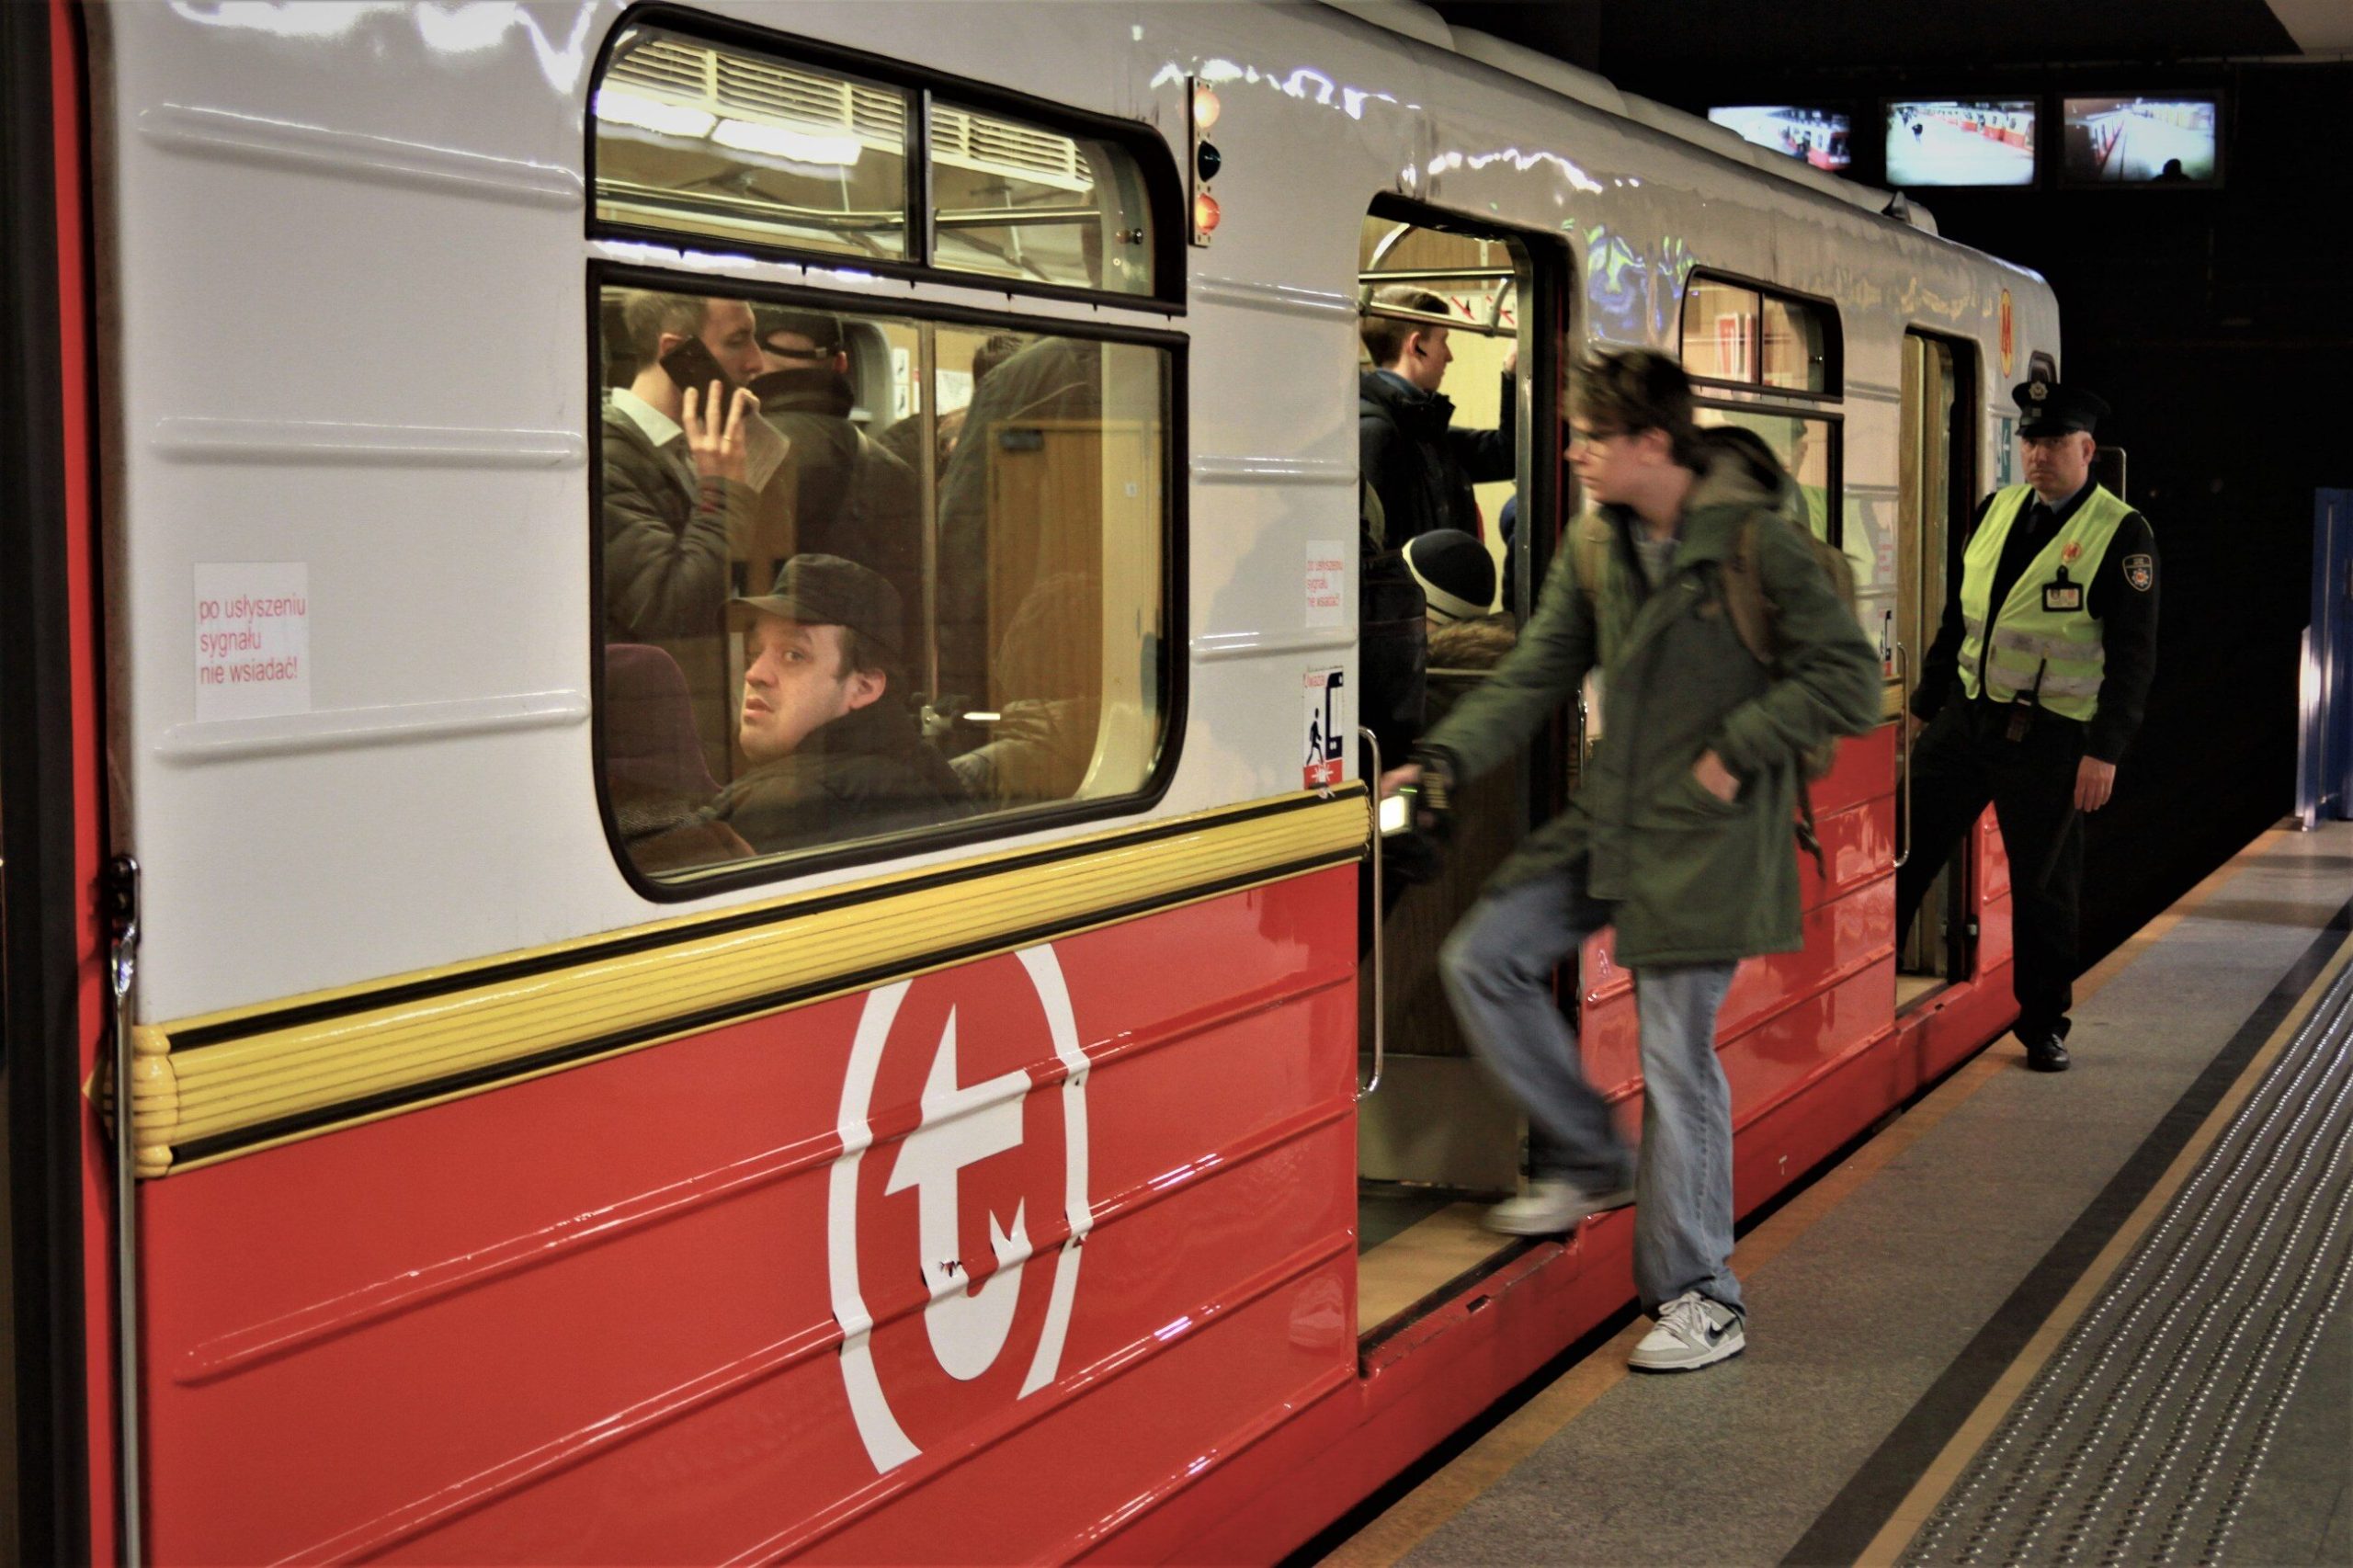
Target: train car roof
<point x="1418" y="22"/>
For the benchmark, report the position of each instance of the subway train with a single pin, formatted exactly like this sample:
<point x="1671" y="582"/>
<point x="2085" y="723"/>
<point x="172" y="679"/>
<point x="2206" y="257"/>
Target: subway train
<point x="485" y="1085"/>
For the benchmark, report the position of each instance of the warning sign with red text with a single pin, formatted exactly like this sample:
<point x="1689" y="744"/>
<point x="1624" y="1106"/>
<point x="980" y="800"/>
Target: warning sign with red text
<point x="252" y="639"/>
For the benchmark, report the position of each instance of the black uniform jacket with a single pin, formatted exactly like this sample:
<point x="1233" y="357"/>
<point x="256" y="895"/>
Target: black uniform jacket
<point x="2127" y="613"/>
<point x="1420" y="466"/>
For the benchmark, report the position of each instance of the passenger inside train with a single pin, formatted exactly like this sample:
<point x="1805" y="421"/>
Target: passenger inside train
<point x="844" y="494"/>
<point x="1021" y="549"/>
<point x="833" y="754"/>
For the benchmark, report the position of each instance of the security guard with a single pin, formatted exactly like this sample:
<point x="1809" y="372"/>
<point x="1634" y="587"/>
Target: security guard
<point x="2031" y="692"/>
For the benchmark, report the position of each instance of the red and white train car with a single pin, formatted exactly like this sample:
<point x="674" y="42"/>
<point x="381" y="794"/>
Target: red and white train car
<point x="518" y="1169"/>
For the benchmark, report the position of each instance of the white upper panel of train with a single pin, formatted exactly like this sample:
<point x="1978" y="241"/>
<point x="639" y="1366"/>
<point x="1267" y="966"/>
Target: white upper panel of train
<point x="348" y="379"/>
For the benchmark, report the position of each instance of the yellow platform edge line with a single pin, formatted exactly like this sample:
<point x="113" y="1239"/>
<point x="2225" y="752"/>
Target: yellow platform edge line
<point x="1952" y="1461"/>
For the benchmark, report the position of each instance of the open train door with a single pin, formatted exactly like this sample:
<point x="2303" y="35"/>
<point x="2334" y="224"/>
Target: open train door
<point x="1440" y="1139"/>
<point x="58" y="1486"/>
<point x="1936" y="488"/>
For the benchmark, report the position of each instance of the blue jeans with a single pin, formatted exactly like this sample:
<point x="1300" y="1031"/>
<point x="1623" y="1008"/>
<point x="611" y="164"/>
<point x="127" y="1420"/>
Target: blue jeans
<point x="1497" y="967"/>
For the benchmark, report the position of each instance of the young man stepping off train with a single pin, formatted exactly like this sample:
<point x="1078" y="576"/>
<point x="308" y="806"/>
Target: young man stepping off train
<point x="1679" y="836"/>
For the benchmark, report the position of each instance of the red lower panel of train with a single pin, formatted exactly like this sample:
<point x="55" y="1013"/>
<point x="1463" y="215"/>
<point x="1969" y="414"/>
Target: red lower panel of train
<point x="601" y="1315"/>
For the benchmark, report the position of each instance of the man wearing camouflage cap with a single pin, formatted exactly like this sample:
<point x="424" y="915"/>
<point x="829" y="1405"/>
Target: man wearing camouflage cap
<point x="2032" y="690"/>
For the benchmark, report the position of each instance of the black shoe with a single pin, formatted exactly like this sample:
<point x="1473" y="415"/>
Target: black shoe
<point x="2044" y="1053"/>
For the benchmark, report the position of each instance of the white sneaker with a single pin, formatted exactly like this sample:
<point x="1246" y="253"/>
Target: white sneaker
<point x="1551" y="1206"/>
<point x="1693" y="1332"/>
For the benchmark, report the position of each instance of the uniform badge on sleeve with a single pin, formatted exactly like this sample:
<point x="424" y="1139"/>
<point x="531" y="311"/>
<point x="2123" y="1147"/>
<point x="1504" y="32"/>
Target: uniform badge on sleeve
<point x="2140" y="570"/>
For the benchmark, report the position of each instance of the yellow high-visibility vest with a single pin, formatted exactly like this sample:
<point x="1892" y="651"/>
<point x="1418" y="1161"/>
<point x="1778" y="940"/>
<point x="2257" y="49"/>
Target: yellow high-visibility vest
<point x="2052" y="638"/>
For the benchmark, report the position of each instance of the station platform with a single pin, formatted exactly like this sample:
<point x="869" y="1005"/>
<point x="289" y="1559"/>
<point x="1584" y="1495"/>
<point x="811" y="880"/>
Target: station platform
<point x="2096" y="1315"/>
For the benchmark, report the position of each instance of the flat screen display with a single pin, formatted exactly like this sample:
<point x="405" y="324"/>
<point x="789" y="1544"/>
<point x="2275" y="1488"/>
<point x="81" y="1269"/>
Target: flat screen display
<point x="1817" y="135"/>
<point x="1961" y="142"/>
<point x="2166" y="140"/>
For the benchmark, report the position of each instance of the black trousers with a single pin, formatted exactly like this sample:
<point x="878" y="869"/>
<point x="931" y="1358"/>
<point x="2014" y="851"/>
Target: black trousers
<point x="1960" y="762"/>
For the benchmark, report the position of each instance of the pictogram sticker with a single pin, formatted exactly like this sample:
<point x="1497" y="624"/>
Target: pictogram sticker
<point x="1327" y="728"/>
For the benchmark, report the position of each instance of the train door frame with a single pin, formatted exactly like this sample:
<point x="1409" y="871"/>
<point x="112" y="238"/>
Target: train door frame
<point x="57" y="1481"/>
<point x="1545" y="267"/>
<point x="1953" y="898"/>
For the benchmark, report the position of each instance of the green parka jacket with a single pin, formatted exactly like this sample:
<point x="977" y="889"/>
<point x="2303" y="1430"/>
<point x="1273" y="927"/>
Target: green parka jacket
<point x="1696" y="879"/>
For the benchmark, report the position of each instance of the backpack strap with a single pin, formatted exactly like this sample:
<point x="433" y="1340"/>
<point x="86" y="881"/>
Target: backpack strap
<point x="1744" y="600"/>
<point x="1752" y="615"/>
<point x="1590" y="546"/>
<point x="1809" y="836"/>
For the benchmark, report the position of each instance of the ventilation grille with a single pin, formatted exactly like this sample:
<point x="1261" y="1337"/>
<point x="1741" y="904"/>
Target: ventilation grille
<point x="737" y="86"/>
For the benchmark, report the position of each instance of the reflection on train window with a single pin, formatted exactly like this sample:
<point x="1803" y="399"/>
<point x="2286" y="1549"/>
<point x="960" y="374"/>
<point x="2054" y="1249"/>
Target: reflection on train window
<point x="915" y="574"/>
<point x="1807" y="447"/>
<point x="1018" y="200"/>
<point x="1720" y="331"/>
<point x="1736" y="334"/>
<point x="716" y="141"/>
<point x="1794" y="355"/>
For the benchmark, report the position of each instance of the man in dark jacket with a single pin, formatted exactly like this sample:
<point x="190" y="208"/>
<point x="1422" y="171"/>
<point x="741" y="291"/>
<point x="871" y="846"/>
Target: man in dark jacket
<point x="682" y="468"/>
<point x="841" y="494"/>
<point x="836" y="755"/>
<point x="1680" y="834"/>
<point x="1409" y="452"/>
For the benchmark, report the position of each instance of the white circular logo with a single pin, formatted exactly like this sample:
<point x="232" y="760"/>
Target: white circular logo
<point x="965" y="1053"/>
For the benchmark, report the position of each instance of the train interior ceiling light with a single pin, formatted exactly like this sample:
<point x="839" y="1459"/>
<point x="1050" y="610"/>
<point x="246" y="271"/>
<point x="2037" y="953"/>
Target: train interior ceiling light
<point x="1961" y="142"/>
<point x="1820" y="136"/>
<point x="2170" y="138"/>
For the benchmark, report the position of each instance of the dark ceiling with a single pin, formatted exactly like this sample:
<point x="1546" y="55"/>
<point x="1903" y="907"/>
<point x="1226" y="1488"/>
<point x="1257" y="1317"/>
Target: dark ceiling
<point x="1649" y="45"/>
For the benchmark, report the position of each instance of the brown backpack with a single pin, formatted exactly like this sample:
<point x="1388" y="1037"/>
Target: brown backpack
<point x="1754" y="621"/>
<point x="1752" y="611"/>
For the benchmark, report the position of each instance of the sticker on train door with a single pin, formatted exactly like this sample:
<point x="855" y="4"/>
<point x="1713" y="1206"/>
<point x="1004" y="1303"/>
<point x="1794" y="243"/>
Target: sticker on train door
<point x="1327" y="583"/>
<point x="252" y="639"/>
<point x="1327" y="728"/>
<point x="953" y="1251"/>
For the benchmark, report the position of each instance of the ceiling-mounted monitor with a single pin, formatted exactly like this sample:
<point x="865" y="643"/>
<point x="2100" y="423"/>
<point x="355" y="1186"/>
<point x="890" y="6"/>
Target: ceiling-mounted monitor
<point x="1986" y="141"/>
<point x="1817" y="135"/>
<point x="2154" y="138"/>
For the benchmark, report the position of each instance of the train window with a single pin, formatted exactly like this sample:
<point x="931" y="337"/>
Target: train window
<point x="1807" y="447"/>
<point x="1736" y="334"/>
<point x="1720" y="331"/>
<point x="924" y="582"/>
<point x="1794" y="355"/>
<point x="1016" y="200"/>
<point x="713" y="141"/>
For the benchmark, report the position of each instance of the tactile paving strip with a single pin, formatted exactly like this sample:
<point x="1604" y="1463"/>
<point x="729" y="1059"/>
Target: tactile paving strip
<point x="2142" y="1438"/>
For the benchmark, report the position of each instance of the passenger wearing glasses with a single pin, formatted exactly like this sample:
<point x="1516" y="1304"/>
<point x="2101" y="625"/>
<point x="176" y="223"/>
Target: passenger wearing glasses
<point x="1679" y="836"/>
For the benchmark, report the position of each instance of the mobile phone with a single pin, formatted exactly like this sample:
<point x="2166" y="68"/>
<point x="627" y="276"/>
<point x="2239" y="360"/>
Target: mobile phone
<point x="693" y="366"/>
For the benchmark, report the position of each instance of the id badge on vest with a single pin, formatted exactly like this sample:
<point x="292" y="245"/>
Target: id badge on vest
<point x="2060" y="595"/>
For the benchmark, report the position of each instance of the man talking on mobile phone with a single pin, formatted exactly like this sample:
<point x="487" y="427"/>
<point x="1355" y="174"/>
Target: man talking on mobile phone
<point x="681" y="475"/>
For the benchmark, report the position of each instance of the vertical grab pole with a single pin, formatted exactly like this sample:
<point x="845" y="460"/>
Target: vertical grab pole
<point x="1380" y="965"/>
<point x="122" y="888"/>
<point x="1904" y="747"/>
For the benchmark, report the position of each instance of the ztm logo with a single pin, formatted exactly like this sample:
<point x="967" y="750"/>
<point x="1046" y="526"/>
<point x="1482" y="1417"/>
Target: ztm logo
<point x="997" y="1154"/>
